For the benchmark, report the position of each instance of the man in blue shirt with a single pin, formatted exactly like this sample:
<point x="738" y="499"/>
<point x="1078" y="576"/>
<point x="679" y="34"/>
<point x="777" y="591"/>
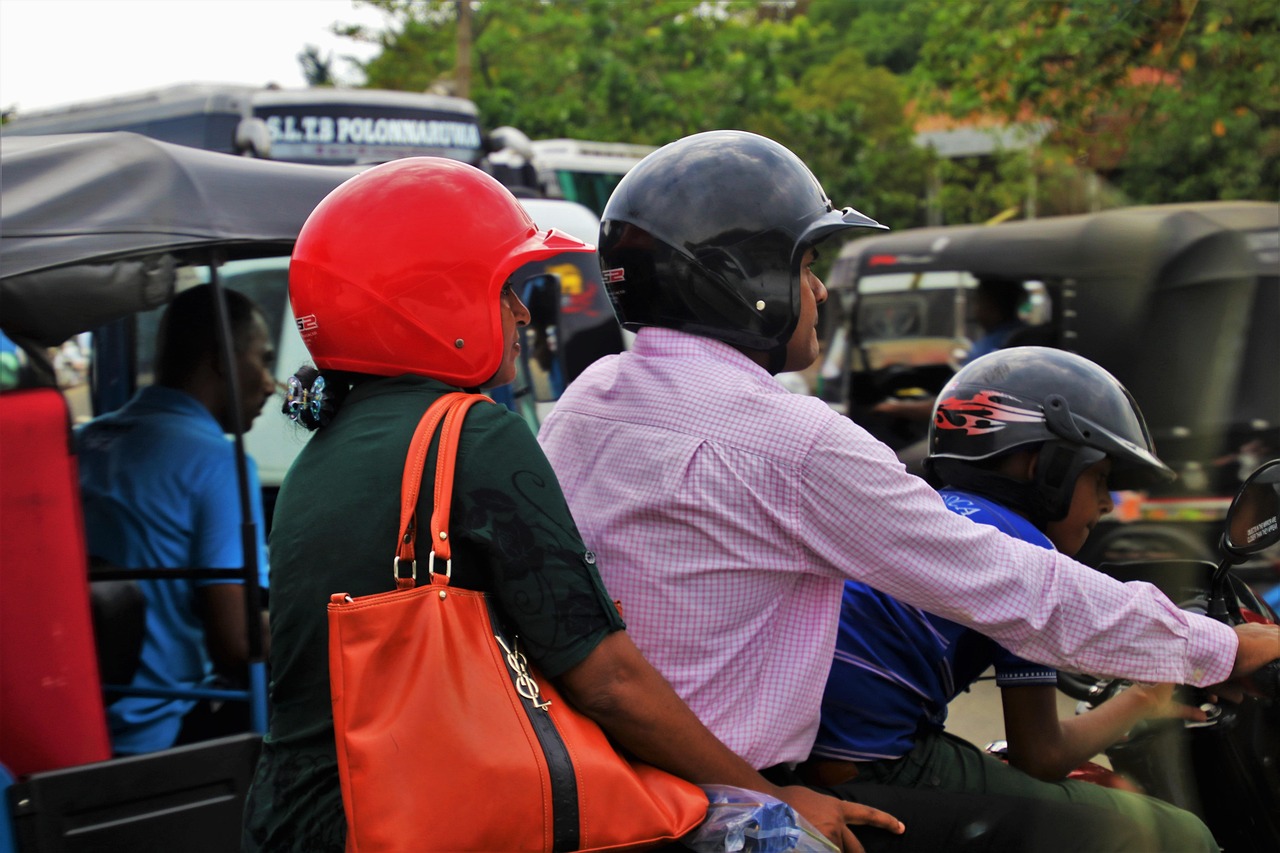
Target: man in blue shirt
<point x="995" y="309"/>
<point x="159" y="485"/>
<point x="1273" y="597"/>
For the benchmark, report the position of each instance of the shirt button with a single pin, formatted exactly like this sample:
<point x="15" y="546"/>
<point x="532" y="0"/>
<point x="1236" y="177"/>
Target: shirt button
<point x="589" y="558"/>
<point x="1197" y="674"/>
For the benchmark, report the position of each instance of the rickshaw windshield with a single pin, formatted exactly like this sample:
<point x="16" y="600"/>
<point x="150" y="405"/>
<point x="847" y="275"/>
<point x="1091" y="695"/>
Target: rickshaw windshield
<point x="922" y="317"/>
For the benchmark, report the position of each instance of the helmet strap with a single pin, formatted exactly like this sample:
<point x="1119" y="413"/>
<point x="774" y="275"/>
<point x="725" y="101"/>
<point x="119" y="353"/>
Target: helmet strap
<point x="777" y="359"/>
<point x="1018" y="495"/>
<point x="1046" y="498"/>
<point x="1058" y="467"/>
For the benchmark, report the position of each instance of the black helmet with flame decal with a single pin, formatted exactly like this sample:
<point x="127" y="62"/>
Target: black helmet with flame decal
<point x="1069" y="408"/>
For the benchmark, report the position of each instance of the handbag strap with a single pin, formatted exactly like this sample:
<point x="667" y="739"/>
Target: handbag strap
<point x="450" y="410"/>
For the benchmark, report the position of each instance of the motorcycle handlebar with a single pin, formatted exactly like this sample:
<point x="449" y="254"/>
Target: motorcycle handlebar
<point x="1267" y="679"/>
<point x="1095" y="691"/>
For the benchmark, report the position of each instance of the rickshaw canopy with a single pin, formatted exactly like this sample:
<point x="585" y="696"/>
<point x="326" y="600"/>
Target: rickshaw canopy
<point x="1179" y="301"/>
<point x="1134" y="245"/>
<point x="91" y="223"/>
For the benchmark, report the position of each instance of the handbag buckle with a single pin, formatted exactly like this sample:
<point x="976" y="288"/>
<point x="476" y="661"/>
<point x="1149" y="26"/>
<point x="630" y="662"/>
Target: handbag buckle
<point x="431" y="567"/>
<point x="526" y="686"/>
<point x="413" y="569"/>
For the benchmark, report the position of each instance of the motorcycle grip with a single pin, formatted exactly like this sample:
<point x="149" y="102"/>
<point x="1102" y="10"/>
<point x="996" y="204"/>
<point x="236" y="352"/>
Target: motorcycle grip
<point x="1267" y="679"/>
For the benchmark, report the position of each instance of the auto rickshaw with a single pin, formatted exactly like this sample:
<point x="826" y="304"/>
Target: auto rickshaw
<point x="97" y="229"/>
<point x="97" y="233"/>
<point x="1180" y="302"/>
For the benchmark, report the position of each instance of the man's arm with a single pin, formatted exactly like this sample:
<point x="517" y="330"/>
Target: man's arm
<point x="1259" y="646"/>
<point x="219" y="544"/>
<point x="861" y="515"/>
<point x="1048" y="747"/>
<point x="225" y="635"/>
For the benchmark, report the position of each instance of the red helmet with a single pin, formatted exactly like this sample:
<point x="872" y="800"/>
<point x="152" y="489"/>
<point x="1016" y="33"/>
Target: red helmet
<point x="399" y="270"/>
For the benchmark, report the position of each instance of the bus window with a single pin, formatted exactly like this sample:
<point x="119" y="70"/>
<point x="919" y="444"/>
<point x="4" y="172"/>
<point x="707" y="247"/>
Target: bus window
<point x="196" y="115"/>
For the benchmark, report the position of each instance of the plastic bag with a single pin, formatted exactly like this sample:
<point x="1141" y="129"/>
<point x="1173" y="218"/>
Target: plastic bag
<point x="751" y="822"/>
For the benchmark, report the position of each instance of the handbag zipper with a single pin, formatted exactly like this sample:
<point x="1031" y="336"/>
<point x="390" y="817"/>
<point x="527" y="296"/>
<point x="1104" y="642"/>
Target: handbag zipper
<point x="564" y="781"/>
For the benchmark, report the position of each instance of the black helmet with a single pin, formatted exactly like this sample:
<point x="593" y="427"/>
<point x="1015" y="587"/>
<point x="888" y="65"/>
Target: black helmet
<point x="1023" y="397"/>
<point x="706" y="235"/>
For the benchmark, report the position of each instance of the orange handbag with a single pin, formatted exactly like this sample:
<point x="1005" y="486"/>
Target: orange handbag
<point x="447" y="739"/>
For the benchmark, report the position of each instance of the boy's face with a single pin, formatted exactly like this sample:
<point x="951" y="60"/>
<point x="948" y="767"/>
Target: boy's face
<point x="1090" y="501"/>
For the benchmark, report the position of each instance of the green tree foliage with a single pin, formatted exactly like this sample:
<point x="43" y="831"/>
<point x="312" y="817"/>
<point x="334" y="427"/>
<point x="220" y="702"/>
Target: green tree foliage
<point x="1171" y="100"/>
<point x="653" y="72"/>
<point x="1167" y="100"/>
<point x="890" y="33"/>
<point x="317" y="69"/>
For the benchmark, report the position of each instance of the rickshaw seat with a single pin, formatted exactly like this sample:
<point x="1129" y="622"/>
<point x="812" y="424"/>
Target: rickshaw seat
<point x="188" y="798"/>
<point x="49" y="684"/>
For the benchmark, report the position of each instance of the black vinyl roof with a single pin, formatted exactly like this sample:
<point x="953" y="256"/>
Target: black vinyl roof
<point x="86" y="220"/>
<point x="1133" y="244"/>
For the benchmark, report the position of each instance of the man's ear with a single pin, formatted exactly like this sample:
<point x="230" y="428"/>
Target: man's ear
<point x="213" y="362"/>
<point x="1021" y="465"/>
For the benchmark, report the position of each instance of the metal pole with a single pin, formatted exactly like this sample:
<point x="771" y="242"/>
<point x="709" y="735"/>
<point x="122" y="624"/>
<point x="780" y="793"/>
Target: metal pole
<point x="248" y="527"/>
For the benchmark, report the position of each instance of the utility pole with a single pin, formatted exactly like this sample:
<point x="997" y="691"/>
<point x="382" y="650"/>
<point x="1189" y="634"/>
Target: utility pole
<point x="463" y="59"/>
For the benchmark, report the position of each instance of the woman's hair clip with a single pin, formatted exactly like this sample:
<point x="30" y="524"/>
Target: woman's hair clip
<point x="310" y="405"/>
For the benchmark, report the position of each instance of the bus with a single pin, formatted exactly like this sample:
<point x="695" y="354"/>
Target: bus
<point x="318" y="126"/>
<point x="582" y="170"/>
<point x="347" y="127"/>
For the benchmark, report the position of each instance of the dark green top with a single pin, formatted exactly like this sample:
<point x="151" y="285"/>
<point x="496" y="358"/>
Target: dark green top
<point x="336" y="523"/>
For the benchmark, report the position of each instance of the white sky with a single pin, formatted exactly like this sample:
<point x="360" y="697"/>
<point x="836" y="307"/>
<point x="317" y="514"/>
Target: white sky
<point x="55" y="52"/>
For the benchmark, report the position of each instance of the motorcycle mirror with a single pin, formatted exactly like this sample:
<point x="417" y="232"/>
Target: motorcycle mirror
<point x="1252" y="520"/>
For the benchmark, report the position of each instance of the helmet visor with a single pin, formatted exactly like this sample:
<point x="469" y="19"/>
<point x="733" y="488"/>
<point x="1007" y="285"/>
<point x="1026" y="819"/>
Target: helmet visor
<point x="832" y="221"/>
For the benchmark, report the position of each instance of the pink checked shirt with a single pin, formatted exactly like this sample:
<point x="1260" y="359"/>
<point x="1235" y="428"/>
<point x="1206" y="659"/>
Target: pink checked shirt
<point x="726" y="514"/>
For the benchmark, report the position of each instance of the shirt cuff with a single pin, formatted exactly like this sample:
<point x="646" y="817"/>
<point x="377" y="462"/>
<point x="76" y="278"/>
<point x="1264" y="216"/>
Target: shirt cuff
<point x="1211" y="653"/>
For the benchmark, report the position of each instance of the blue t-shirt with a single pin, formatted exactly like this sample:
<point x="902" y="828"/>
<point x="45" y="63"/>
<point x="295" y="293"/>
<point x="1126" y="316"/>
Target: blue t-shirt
<point x="1272" y="597"/>
<point x="158" y="482"/>
<point x="994" y="339"/>
<point x="897" y="667"/>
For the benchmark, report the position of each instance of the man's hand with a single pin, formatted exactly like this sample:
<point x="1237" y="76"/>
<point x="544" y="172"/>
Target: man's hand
<point x="1259" y="645"/>
<point x="832" y="817"/>
<point x="1160" y="703"/>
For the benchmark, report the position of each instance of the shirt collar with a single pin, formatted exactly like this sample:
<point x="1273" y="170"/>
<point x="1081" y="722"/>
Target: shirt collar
<point x="161" y="398"/>
<point x="379" y="385"/>
<point x="658" y="342"/>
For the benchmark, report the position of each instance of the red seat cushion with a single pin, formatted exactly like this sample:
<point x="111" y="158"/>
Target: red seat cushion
<point x="51" y="712"/>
